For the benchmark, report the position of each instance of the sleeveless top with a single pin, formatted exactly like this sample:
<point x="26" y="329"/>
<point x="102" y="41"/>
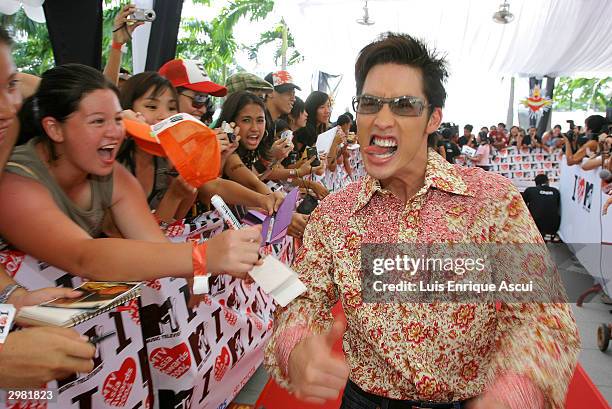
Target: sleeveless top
<point x="161" y="178"/>
<point x="25" y="162"/>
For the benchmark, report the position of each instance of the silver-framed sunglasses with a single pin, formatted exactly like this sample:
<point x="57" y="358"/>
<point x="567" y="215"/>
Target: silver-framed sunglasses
<point x="405" y="105"/>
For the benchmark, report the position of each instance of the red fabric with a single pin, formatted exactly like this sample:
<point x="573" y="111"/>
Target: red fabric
<point x="582" y="393"/>
<point x="275" y="397"/>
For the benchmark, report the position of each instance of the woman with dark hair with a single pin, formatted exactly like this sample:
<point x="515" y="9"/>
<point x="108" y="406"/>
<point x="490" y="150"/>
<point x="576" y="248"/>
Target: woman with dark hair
<point x="481" y="159"/>
<point x="153" y="99"/>
<point x="25" y="361"/>
<point x="247" y="111"/>
<point x="298" y="116"/>
<point x="66" y="179"/>
<point x="318" y="107"/>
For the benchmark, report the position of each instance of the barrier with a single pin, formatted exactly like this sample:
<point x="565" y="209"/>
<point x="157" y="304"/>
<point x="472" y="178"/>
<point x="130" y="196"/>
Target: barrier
<point x="583" y="226"/>
<point x="523" y="165"/>
<point x="166" y="353"/>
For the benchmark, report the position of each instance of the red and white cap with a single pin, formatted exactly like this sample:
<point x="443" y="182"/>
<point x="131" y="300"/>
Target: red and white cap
<point x="191" y="74"/>
<point x="282" y="81"/>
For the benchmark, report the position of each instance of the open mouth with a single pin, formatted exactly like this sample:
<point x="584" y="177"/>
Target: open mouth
<point x="252" y="139"/>
<point x="382" y="147"/>
<point x="107" y="152"/>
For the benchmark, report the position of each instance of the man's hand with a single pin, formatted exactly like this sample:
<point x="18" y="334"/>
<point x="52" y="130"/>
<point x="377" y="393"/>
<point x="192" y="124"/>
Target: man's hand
<point x="34" y="356"/>
<point x="316" y="375"/>
<point x="124" y="27"/>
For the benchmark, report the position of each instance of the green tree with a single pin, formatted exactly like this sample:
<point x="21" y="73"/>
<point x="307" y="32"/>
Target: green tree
<point x="32" y="50"/>
<point x="582" y="94"/>
<point x="214" y="42"/>
<point x="275" y="36"/>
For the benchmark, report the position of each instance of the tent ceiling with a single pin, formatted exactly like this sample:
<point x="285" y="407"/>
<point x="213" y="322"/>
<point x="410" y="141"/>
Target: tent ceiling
<point x="547" y="37"/>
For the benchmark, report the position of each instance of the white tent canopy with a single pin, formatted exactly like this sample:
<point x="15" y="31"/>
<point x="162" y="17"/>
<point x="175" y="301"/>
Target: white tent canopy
<point x="547" y="37"/>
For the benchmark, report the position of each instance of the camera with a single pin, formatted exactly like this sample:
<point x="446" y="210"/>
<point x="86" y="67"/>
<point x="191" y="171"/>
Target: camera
<point x="292" y="157"/>
<point x="143" y="15"/>
<point x="231" y="136"/>
<point x="311" y="151"/>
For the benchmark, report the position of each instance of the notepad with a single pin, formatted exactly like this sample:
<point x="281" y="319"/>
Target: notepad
<point x="99" y="297"/>
<point x="468" y="151"/>
<point x="278" y="280"/>
<point x="326" y="140"/>
<point x="274" y="228"/>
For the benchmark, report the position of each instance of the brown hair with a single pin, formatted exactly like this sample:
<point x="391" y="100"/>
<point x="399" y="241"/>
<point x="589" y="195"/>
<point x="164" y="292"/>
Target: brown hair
<point x="405" y="50"/>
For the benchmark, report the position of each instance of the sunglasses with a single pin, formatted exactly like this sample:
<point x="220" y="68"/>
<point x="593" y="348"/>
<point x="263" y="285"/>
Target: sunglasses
<point x="402" y="106"/>
<point x="197" y="100"/>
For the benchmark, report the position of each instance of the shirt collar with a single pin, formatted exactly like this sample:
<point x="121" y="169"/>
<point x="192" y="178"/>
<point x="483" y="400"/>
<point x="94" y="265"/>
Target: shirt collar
<point x="439" y="174"/>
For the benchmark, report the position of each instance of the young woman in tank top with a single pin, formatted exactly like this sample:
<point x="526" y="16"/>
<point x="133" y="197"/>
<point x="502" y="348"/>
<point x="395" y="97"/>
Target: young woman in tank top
<point x="59" y="186"/>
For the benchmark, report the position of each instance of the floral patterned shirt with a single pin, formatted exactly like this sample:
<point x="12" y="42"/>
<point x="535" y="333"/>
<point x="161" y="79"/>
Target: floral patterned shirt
<point x="436" y="351"/>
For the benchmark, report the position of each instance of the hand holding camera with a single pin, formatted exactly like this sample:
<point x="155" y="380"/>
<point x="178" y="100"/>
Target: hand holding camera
<point x="311" y="152"/>
<point x="124" y="24"/>
<point x="280" y="148"/>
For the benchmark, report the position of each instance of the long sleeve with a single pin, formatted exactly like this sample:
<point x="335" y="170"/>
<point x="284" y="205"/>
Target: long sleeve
<point x="310" y="312"/>
<point x="536" y="339"/>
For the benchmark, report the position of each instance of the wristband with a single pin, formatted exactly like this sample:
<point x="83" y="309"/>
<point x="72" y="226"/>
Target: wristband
<point x="116" y="46"/>
<point x="200" y="275"/>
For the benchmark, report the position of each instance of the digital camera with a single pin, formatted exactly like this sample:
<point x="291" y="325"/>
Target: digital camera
<point x="143" y="15"/>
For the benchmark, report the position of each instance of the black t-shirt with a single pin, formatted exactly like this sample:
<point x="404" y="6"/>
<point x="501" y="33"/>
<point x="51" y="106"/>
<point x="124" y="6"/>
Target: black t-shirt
<point x="526" y="140"/>
<point x="544" y="204"/>
<point x="451" y="148"/>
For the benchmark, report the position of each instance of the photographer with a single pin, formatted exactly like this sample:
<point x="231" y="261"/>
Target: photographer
<point x="595" y="125"/>
<point x="451" y="150"/>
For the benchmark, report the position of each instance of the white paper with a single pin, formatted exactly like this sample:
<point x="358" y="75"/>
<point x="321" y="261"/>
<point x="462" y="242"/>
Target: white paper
<point x="7" y="313"/>
<point x="466" y="150"/>
<point x="278" y="280"/>
<point x="325" y="140"/>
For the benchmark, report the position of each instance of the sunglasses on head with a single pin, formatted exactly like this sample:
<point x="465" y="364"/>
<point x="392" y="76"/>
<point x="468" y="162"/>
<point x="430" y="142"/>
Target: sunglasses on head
<point x="402" y="106"/>
<point x="197" y="100"/>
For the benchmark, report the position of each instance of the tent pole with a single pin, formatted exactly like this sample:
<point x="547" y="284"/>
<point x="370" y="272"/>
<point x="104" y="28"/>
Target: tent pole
<point x="510" y="116"/>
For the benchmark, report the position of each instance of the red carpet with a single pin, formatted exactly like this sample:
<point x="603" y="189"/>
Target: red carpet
<point x="582" y="394"/>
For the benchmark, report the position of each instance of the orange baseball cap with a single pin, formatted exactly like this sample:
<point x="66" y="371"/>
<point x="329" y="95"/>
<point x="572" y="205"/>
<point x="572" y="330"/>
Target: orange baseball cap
<point x="191" y="146"/>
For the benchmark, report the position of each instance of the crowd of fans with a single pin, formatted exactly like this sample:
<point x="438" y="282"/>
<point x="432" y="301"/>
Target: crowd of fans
<point x="76" y="176"/>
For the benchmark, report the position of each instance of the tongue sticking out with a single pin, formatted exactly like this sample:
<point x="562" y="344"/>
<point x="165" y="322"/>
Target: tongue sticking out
<point x="379" y="150"/>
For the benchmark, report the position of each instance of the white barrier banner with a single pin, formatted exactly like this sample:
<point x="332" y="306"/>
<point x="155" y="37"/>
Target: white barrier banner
<point x="583" y="226"/>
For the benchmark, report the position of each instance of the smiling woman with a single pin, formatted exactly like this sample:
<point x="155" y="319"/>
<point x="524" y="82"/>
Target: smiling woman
<point x="65" y="179"/>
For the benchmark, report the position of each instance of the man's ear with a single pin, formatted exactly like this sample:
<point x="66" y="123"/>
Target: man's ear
<point x="435" y="119"/>
<point x="53" y="128"/>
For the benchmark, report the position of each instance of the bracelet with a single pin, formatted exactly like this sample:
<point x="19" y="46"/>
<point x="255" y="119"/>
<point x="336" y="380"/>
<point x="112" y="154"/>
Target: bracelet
<point x="8" y="290"/>
<point x="297" y="172"/>
<point x="200" y="274"/>
<point x="116" y="46"/>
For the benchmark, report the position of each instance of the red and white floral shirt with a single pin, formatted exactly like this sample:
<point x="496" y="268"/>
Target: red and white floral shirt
<point x="437" y="351"/>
